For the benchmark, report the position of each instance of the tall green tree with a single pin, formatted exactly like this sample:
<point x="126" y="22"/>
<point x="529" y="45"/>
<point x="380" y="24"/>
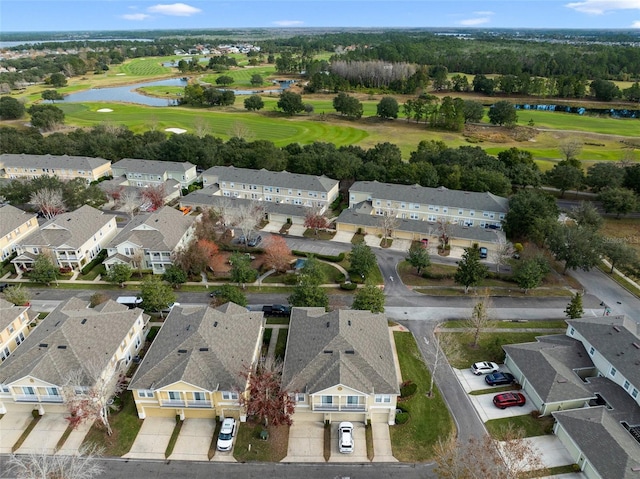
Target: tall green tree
<point x="253" y="103"/>
<point x="11" y="108"/>
<point x="156" y="295"/>
<point x="418" y="257"/>
<point x="618" y="200"/>
<point x="530" y="272"/>
<point x="308" y="294"/>
<point x="503" y="113"/>
<point x="46" y="117"/>
<point x="530" y="211"/>
<point x="17" y="295"/>
<point x="577" y="246"/>
<point x="369" y="298"/>
<point x="229" y="293"/>
<point x="256" y="79"/>
<point x="52" y="95"/>
<point x="119" y="274"/>
<point x="361" y="260"/>
<point x="175" y="276"/>
<point x="43" y="271"/>
<point x="586" y="215"/>
<point x="564" y="177"/>
<point x="470" y="270"/>
<point x="574" y="308"/>
<point x="241" y="270"/>
<point x="290" y="102"/>
<point x="473" y="111"/>
<point x="388" y="107"/>
<point x="604" y="175"/>
<point x="618" y="253"/>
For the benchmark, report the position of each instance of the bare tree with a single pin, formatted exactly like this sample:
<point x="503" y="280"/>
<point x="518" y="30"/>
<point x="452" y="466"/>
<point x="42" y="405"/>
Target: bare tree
<point x="241" y="130"/>
<point x="48" y="201"/>
<point x="248" y="217"/>
<point x="570" y="148"/>
<point x="445" y="347"/>
<point x="129" y="202"/>
<point x="88" y="393"/>
<point x="480" y="318"/>
<point x="201" y="127"/>
<point x="444" y="232"/>
<point x="486" y="458"/>
<point x="137" y="260"/>
<point x="388" y="223"/>
<point x="84" y="465"/>
<point x="225" y="211"/>
<point x="503" y="252"/>
<point x="315" y="219"/>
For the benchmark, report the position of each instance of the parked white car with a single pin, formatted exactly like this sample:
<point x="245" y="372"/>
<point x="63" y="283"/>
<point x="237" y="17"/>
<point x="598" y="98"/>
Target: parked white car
<point x="484" y="367"/>
<point x="225" y="437"/>
<point x="345" y="437"/>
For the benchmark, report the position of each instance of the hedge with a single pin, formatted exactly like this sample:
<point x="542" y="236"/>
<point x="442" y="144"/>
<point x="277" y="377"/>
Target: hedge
<point x="408" y="389"/>
<point x="102" y="255"/>
<point x="348" y="286"/>
<point x="325" y="257"/>
<point x="402" y="417"/>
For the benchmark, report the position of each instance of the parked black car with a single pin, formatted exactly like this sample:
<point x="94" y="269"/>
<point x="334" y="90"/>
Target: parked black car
<point x="3" y="286"/>
<point x="276" y="310"/>
<point x="499" y="379"/>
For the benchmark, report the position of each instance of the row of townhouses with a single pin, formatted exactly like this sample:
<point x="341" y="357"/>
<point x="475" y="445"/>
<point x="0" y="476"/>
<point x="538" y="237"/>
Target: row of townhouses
<point x="338" y="365"/>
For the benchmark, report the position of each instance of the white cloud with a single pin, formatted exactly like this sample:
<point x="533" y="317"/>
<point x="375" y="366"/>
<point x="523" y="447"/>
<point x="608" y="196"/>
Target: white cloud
<point x="636" y="24"/>
<point x="288" y="23"/>
<point x="484" y="14"/>
<point x="599" y="7"/>
<point x="474" y="21"/>
<point x="174" y="9"/>
<point x="135" y="16"/>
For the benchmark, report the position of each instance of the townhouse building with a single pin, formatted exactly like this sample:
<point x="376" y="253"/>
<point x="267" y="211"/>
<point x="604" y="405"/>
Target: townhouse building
<point x="94" y="344"/>
<point x="27" y="167"/>
<point x="151" y="239"/>
<point x="143" y="173"/>
<point x="72" y="239"/>
<point x="15" y="226"/>
<point x="14" y="327"/>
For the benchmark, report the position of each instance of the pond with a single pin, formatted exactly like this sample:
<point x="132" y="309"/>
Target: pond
<point x="128" y="93"/>
<point x="613" y="112"/>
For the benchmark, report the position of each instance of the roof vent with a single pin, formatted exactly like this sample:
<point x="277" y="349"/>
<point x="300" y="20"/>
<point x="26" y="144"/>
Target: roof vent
<point x="328" y="351"/>
<point x="616" y="328"/>
<point x="83" y="321"/>
<point x="62" y="346"/>
<point x="349" y="322"/>
<point x="562" y="380"/>
<point x="328" y="324"/>
<point x="350" y="351"/>
<point x="636" y="345"/>
<point x="204" y="349"/>
<point x="215" y="325"/>
<point x="43" y="345"/>
<point x="182" y="350"/>
<point x="56" y="324"/>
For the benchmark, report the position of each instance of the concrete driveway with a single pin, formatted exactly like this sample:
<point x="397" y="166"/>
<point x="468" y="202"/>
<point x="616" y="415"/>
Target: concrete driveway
<point x="402" y="245"/>
<point x="297" y="230"/>
<point x="12" y="425"/>
<point x="273" y="227"/>
<point x="44" y="437"/>
<point x="152" y="439"/>
<point x="194" y="440"/>
<point x="551" y="451"/>
<point x="382" y="443"/>
<point x="306" y="442"/>
<point x="487" y="410"/>
<point x="471" y="382"/>
<point x="372" y="241"/>
<point x="342" y="237"/>
<point x="360" y="442"/>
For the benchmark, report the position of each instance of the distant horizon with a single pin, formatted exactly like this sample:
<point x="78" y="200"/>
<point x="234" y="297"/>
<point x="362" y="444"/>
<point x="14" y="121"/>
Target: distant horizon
<point x="18" y="16"/>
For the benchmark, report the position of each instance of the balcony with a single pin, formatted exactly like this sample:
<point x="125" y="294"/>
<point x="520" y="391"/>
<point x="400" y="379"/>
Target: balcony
<point x="340" y="404"/>
<point x="201" y="404"/>
<point x="172" y="403"/>
<point x="36" y="398"/>
<point x="48" y="398"/>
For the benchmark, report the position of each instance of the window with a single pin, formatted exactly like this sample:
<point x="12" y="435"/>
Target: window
<point x="416" y="207"/>
<point x="626" y="385"/>
<point x="472" y="213"/>
<point x="432" y="218"/>
<point x="485" y="214"/>
<point x="198" y="396"/>
<point x="634" y="393"/>
<point x="145" y="393"/>
<point x="377" y="202"/>
<point x="403" y="205"/>
<point x="613" y="372"/>
<point x="327" y="400"/>
<point x="11" y="328"/>
<point x="174" y="395"/>
<point x="354" y="400"/>
<point x="591" y="351"/>
<point x="414" y="216"/>
<point x="300" y="397"/>
<point x="51" y="391"/>
<point x="4" y="388"/>
<point x="229" y="396"/>
<point x="5" y="353"/>
<point x="19" y="339"/>
<point x="382" y="398"/>
<point x="28" y="390"/>
<point x="445" y="210"/>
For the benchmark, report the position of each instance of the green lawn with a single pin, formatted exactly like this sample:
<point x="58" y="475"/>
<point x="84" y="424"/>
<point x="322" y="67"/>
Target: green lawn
<point x="281" y="344"/>
<point x="125" y="425"/>
<point x="242" y="77"/>
<point x="555" y="324"/>
<point x="530" y="425"/>
<point x="249" y="446"/>
<point x="429" y="417"/>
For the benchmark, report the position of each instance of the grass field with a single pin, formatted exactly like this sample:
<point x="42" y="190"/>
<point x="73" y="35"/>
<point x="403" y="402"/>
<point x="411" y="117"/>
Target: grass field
<point x="242" y="77"/>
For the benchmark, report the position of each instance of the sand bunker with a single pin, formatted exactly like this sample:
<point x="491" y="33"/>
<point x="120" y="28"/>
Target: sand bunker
<point x="120" y="74"/>
<point x="177" y="131"/>
<point x="105" y="110"/>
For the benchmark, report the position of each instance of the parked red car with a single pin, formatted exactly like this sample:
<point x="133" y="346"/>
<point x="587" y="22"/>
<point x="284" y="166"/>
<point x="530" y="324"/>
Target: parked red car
<point x="506" y="400"/>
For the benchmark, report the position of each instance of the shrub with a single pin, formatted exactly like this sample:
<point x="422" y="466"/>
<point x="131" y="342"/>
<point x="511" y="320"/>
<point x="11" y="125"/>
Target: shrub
<point x="325" y="257"/>
<point x="535" y="414"/>
<point x="402" y="408"/>
<point x="102" y="255"/>
<point x="408" y="389"/>
<point x="348" y="286"/>
<point x="153" y="332"/>
<point x="402" y="417"/>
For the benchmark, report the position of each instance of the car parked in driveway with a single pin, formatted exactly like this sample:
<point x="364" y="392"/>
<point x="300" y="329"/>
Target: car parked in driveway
<point x="484" y="253"/>
<point x="225" y="436"/>
<point x="506" y="400"/>
<point x="499" y="379"/>
<point x="345" y="437"/>
<point x="254" y="241"/>
<point x="484" y="367"/>
<point x="3" y="286"/>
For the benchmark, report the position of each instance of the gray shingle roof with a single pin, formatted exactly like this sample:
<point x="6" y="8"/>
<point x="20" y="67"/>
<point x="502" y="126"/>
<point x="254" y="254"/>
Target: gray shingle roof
<point x="65" y="162"/>
<point x="202" y="346"/>
<point x="95" y="340"/>
<point x="152" y="167"/>
<point x="603" y="440"/>
<point x="548" y="365"/>
<point x="282" y="179"/>
<point x="206" y="198"/>
<point x="9" y="312"/>
<point x="347" y="347"/>
<point x="613" y="337"/>
<point x="356" y="217"/>
<point x="12" y="217"/>
<point x="432" y="196"/>
<point x="161" y="230"/>
<point x="72" y="229"/>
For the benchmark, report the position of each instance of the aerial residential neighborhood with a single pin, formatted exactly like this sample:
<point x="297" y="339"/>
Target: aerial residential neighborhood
<point x="341" y="240"/>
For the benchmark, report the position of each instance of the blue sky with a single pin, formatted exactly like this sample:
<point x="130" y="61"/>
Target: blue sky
<point x="84" y="15"/>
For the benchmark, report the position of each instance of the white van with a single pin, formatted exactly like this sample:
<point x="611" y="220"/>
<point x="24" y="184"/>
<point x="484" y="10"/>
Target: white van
<point x="129" y="301"/>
